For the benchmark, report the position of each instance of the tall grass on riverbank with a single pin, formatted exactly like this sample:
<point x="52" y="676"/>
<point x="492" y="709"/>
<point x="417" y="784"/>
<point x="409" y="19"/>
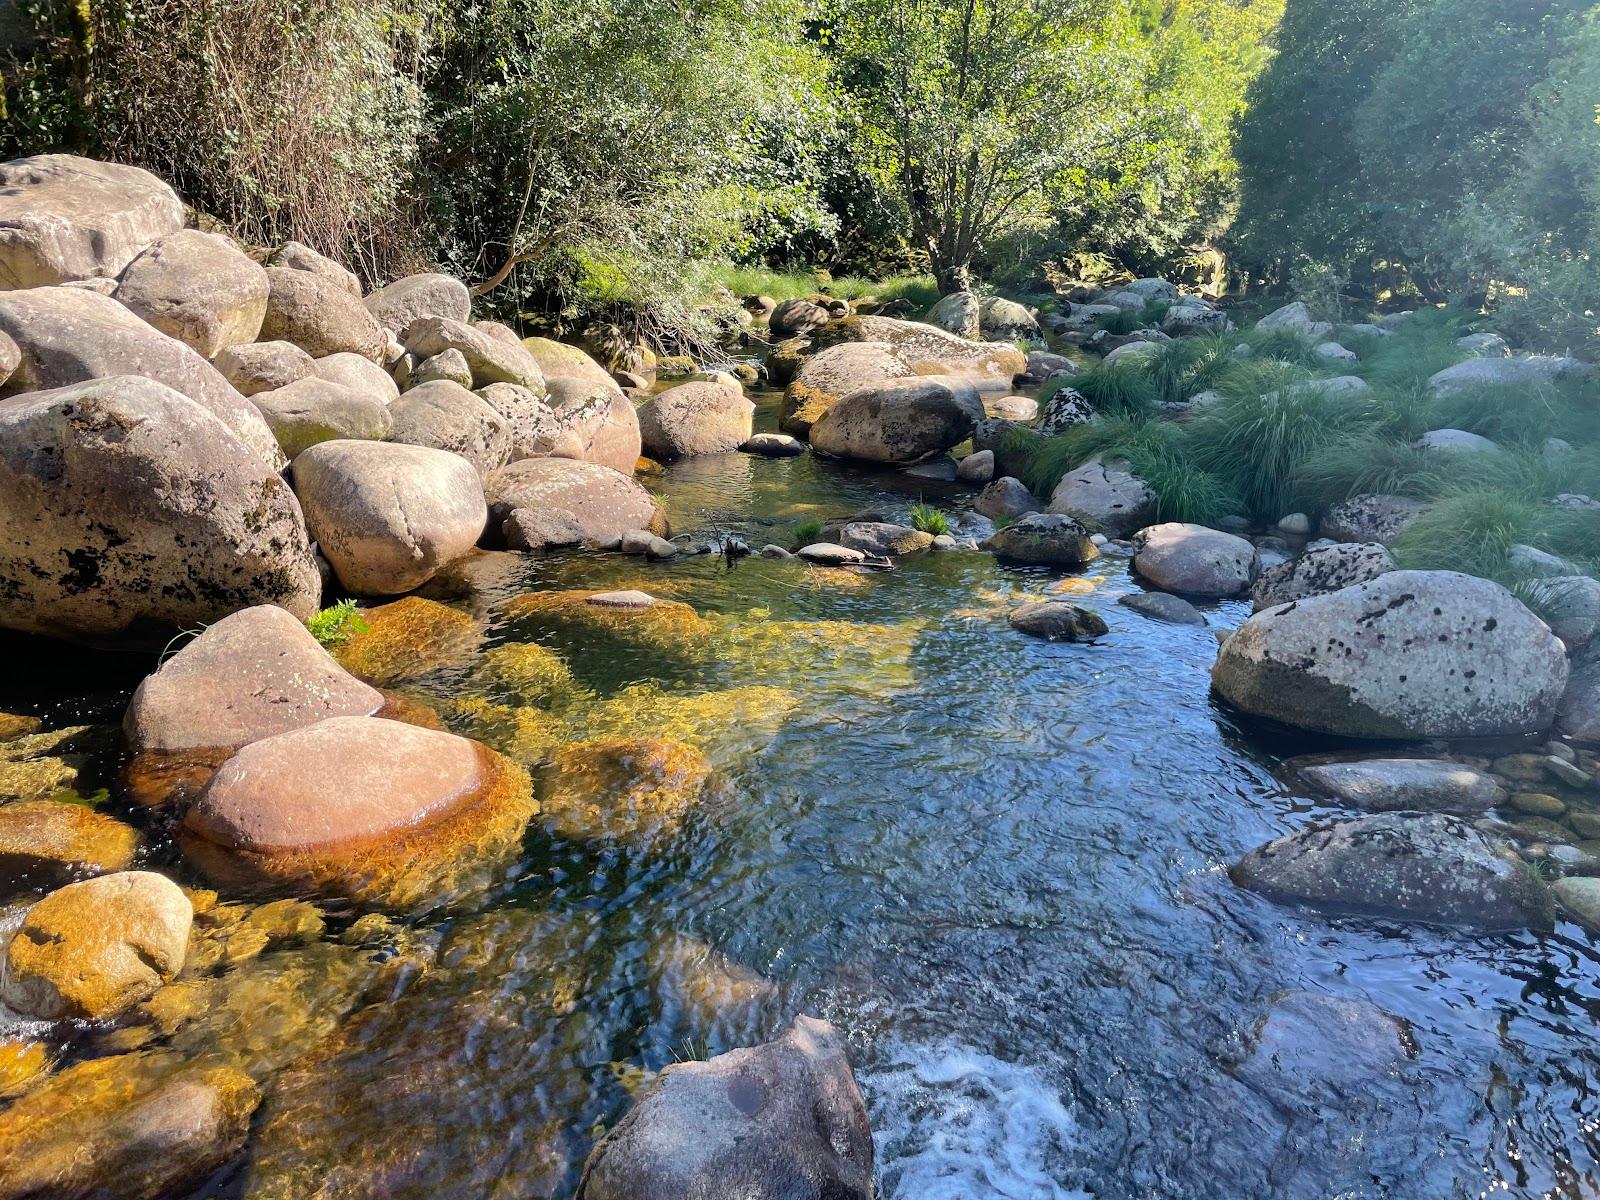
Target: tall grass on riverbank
<point x="919" y="291"/>
<point x="1279" y="432"/>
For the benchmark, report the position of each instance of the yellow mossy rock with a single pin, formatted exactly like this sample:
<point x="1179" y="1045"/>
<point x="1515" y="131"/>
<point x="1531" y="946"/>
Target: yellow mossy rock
<point x="14" y="725"/>
<point x="49" y="841"/>
<point x="630" y="790"/>
<point x="407" y="639"/>
<point x="522" y="733"/>
<point x="134" y="1126"/>
<point x="523" y="673"/>
<point x="749" y="714"/>
<point x="230" y="934"/>
<point x="700" y="989"/>
<point x="96" y="948"/>
<point x="22" y="1064"/>
<point x="626" y="621"/>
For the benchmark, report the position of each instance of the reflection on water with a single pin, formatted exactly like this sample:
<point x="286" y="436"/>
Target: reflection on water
<point x="996" y="862"/>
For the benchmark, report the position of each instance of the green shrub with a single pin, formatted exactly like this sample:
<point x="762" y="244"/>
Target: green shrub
<point x="928" y="519"/>
<point x="337" y="624"/>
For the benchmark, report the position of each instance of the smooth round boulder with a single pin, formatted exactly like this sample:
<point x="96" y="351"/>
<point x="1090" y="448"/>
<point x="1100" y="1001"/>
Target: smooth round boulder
<point x="957" y="313"/>
<point x="1057" y="621"/>
<point x="311" y="411"/>
<point x="94" y="949"/>
<point x="446" y="416"/>
<point x="316" y="313"/>
<point x="1406" y="784"/>
<point x="1455" y="441"/>
<point x="899" y="421"/>
<point x="263" y="366"/>
<point x="568" y="370"/>
<point x="490" y="358"/>
<point x="197" y="287"/>
<point x="376" y="812"/>
<point x="1163" y="606"/>
<point x="784" y="1119"/>
<point x="1410" y="654"/>
<point x="1044" y="539"/>
<point x="68" y="335"/>
<point x="128" y="513"/>
<point x="429" y="294"/>
<point x="1428" y="867"/>
<point x="538" y="503"/>
<point x="1529" y="371"/>
<point x="693" y="419"/>
<point x="386" y="517"/>
<point x="253" y="674"/>
<point x="827" y="377"/>
<point x="773" y="445"/>
<point x="1005" y="497"/>
<point x="300" y="257"/>
<point x="1371" y="517"/>
<point x="1320" y="569"/>
<point x="1106" y="496"/>
<point x="1003" y="320"/>
<point x="1194" y="560"/>
<point x="64" y="218"/>
<point x="977" y="467"/>
<point x="796" y="317"/>
<point x="359" y="374"/>
<point x="53" y="842"/>
<point x="450" y="365"/>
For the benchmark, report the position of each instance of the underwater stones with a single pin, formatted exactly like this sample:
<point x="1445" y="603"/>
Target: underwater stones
<point x="784" y="1119"/>
<point x="253" y="674"/>
<point x="1044" y="539"/>
<point x="318" y="314"/>
<point x="1424" y="866"/>
<point x="197" y="287"/>
<point x="64" y="218"/>
<point x="429" y="294"/>
<point x="1309" y="1048"/>
<point x="695" y="418"/>
<point x="627" y="790"/>
<point x="523" y="673"/>
<point x="1410" y="654"/>
<point x="1005" y="497"/>
<point x="898" y="421"/>
<point x="825" y="378"/>
<point x="129" y="512"/>
<point x="95" y="948"/>
<point x="1163" y="606"/>
<point x="388" y="516"/>
<point x="881" y="539"/>
<point x="445" y="416"/>
<point x="379" y="813"/>
<point x="51" y="842"/>
<point x="1105" y="495"/>
<point x="133" y="1126"/>
<point x="264" y="366"/>
<point x="1195" y="560"/>
<point x="628" y="622"/>
<point x="1371" y="517"/>
<point x="1406" y="784"/>
<point x="407" y="639"/>
<point x="310" y="411"/>
<point x="697" y="988"/>
<point x="491" y="359"/>
<point x="1320" y="569"/>
<point x="1057" y="621"/>
<point x="542" y="502"/>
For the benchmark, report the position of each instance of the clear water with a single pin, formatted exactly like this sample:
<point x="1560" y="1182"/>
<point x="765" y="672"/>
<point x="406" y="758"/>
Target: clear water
<point x="999" y="864"/>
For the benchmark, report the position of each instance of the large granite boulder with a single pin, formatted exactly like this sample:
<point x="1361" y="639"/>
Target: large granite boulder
<point x="253" y="674"/>
<point x="199" y="288"/>
<point x="1321" y="569"/>
<point x="1194" y="560"/>
<point x="446" y="416"/>
<point x="96" y="948"/>
<point x="600" y="426"/>
<point x="52" y="842"/>
<point x="312" y="411"/>
<point x="263" y="366"/>
<point x="796" y="317"/>
<point x="298" y="256"/>
<point x="128" y="513"/>
<point x="316" y="313"/>
<point x="64" y="218"/>
<point x="1044" y="539"/>
<point x="825" y="378"/>
<point x="430" y="294"/>
<point x="356" y="373"/>
<point x="376" y="812"/>
<point x="537" y="503"/>
<point x="926" y="349"/>
<point x="1002" y="320"/>
<point x="899" y="421"/>
<point x="1371" y="517"/>
<point x="1105" y="495"/>
<point x="491" y="358"/>
<point x="68" y="335"/>
<point x="1410" y="654"/>
<point x="569" y="371"/>
<point x="1428" y="867"/>
<point x="959" y="313"/>
<point x="695" y="418"/>
<point x="1579" y="717"/>
<point x="780" y="1121"/>
<point x="387" y="516"/>
<point x="1526" y="372"/>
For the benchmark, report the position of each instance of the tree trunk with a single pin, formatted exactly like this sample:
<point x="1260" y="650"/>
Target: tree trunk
<point x="951" y="274"/>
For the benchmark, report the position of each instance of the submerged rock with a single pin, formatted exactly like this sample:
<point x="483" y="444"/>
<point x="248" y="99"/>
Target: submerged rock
<point x="773" y="445"/>
<point x="629" y="790"/>
<point x="408" y="639"/>
<point x="652" y="630"/>
<point x="784" y="1119"/>
<point x="1319" y="570"/>
<point x="1163" y="606"/>
<point x="1044" y="539"/>
<point x="1407" y="784"/>
<point x="1411" y="654"/>
<point x="1057" y="621"/>
<point x="1194" y="560"/>
<point x="51" y="842"/>
<point x="1424" y="866"/>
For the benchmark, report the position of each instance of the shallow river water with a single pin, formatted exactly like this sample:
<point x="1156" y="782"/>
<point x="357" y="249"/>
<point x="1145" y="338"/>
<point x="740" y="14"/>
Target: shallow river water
<point x="998" y="863"/>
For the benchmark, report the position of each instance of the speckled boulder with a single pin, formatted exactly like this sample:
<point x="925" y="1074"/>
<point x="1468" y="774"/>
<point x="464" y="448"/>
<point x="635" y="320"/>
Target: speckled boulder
<point x="1423" y="866"/>
<point x="1105" y="495"/>
<point x="1319" y="570"/>
<point x="1410" y="654"/>
<point x="430" y="294"/>
<point x="129" y="512"/>
<point x="316" y="313"/>
<point x="1371" y="518"/>
<point x="263" y="366"/>
<point x="695" y="418"/>
<point x="446" y="416"/>
<point x="784" y="1119"/>
<point x="1194" y="560"/>
<point x="825" y="378"/>
<point x="1044" y="539"/>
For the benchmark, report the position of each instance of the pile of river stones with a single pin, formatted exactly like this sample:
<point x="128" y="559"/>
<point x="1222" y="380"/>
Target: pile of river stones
<point x="200" y="435"/>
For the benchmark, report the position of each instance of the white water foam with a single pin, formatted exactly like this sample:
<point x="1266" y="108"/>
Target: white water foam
<point x="952" y="1123"/>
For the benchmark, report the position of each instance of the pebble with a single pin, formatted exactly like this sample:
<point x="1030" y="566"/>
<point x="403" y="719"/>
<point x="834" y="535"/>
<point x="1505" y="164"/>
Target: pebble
<point x="1538" y="804"/>
<point x="1568" y="773"/>
<point x="1585" y="824"/>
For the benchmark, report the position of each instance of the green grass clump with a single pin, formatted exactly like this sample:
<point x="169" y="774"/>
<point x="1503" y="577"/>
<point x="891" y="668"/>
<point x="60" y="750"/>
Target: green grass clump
<point x="806" y="533"/>
<point x="1186" y="366"/>
<point x="919" y="290"/>
<point x="928" y="519"/>
<point x="1284" y="346"/>
<point x="1365" y="462"/>
<point x="1471" y="531"/>
<point x="337" y="624"/>
<point x="1122" y="388"/>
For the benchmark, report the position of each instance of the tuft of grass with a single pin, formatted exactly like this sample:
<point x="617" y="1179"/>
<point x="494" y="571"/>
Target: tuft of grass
<point x="337" y="624"/>
<point x="1365" y="462"/>
<point x="1186" y="366"/>
<point x="1471" y="531"/>
<point x="806" y="533"/>
<point x="919" y="290"/>
<point x="928" y="519"/>
<point x="1122" y="388"/>
<point x="1284" y="346"/>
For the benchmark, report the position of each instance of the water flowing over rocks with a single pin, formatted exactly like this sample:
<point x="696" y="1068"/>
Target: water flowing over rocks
<point x="780" y="1119"/>
<point x="1409" y="654"/>
<point x="51" y="842"/>
<point x="128" y="512"/>
<point x="1422" y="866"/>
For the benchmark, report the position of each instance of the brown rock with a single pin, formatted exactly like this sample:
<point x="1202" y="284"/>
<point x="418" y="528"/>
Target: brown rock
<point x="822" y="380"/>
<point x="316" y="313"/>
<point x="408" y="639"/>
<point x="541" y="502"/>
<point x="199" y="288"/>
<point x="50" y="842"/>
<point x="491" y="359"/>
<point x="632" y="790"/>
<point x="263" y="366"/>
